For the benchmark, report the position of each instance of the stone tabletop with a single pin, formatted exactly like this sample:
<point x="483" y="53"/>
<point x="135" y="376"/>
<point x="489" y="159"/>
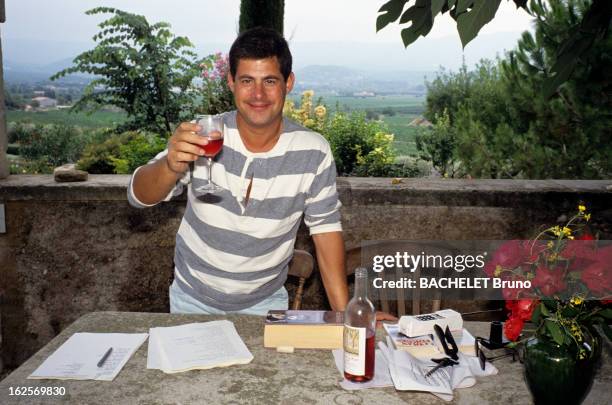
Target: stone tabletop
<point x="303" y="377"/>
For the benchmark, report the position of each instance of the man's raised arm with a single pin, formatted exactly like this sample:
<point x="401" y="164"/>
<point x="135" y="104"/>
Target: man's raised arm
<point x="153" y="182"/>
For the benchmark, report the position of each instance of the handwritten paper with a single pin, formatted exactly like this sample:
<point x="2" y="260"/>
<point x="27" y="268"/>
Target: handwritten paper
<point x="78" y="357"/>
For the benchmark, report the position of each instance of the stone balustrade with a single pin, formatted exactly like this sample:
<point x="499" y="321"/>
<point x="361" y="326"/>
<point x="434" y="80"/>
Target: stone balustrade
<point x="73" y="248"/>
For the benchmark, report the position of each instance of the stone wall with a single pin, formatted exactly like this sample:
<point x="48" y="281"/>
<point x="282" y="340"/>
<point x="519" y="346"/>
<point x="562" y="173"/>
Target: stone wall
<point x="73" y="248"/>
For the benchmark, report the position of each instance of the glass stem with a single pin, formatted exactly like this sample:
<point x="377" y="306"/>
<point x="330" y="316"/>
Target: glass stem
<point x="210" y="181"/>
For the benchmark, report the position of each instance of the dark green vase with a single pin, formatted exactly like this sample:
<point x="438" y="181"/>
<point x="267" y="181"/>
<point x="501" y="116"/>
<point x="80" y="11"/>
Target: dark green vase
<point x="555" y="376"/>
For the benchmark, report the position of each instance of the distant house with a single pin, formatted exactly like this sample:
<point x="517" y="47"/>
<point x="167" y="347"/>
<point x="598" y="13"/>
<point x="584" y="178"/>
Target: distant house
<point x="39" y="93"/>
<point x="364" y="94"/>
<point x="420" y="122"/>
<point x="45" y="102"/>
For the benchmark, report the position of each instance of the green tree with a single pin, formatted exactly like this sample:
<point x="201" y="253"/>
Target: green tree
<point x="141" y="68"/>
<point x="567" y="135"/>
<point x="262" y="13"/>
<point x="471" y="15"/>
<point x="446" y="92"/>
<point x="504" y="124"/>
<point x="437" y="145"/>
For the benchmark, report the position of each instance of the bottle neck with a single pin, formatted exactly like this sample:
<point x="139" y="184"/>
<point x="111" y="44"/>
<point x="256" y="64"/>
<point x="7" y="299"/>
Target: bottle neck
<point x="361" y="283"/>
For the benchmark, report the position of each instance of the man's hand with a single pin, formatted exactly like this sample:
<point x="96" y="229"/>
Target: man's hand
<point x="384" y="316"/>
<point x="153" y="182"/>
<point x="184" y="146"/>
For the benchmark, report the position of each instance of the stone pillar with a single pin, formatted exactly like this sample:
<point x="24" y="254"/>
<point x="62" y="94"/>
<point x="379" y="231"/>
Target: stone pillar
<point x="4" y="166"/>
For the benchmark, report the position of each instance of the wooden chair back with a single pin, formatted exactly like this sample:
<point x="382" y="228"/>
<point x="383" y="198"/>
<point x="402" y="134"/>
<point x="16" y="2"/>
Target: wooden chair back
<point x="385" y="302"/>
<point x="301" y="266"/>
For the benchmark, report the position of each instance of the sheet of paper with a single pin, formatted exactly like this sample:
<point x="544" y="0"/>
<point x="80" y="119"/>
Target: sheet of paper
<point x="78" y="357"/>
<point x="408" y="372"/>
<point x="196" y="346"/>
<point x="382" y="378"/>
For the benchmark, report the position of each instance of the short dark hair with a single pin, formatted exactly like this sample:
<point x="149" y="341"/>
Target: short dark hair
<point x="260" y="43"/>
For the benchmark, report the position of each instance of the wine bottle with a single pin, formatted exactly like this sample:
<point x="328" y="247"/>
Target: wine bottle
<point x="359" y="332"/>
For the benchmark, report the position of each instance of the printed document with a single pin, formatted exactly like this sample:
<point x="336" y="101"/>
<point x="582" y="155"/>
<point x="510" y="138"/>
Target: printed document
<point x="196" y="346"/>
<point x="78" y="357"/>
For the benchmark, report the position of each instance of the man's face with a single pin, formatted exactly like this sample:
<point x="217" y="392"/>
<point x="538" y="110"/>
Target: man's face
<point x="259" y="91"/>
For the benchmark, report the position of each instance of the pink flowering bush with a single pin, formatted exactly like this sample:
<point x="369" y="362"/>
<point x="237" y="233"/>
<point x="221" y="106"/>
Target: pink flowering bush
<point x="216" y="94"/>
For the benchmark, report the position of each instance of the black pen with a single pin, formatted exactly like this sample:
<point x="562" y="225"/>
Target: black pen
<point x="103" y="359"/>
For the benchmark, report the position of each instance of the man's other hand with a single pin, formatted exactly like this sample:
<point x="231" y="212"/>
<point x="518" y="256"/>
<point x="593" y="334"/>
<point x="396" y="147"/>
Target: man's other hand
<point x="384" y="316"/>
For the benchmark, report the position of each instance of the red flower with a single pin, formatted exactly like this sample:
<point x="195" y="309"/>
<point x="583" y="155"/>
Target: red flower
<point x="509" y="255"/>
<point x="514" y="293"/>
<point x="598" y="275"/>
<point x="524" y="308"/>
<point x="581" y="253"/>
<point x="533" y="249"/>
<point x="548" y="280"/>
<point x="585" y="236"/>
<point x="489" y="268"/>
<point x="513" y="327"/>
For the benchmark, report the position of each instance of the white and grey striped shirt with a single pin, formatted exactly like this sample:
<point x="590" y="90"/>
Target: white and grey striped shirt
<point x="230" y="254"/>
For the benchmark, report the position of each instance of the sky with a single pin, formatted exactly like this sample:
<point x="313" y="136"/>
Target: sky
<point x="213" y="23"/>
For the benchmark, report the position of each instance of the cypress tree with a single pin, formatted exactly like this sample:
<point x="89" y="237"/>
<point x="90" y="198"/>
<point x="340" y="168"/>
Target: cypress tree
<point x="262" y="13"/>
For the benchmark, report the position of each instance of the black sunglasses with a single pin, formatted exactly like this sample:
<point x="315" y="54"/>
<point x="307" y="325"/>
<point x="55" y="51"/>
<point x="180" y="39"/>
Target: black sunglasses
<point x="482" y="358"/>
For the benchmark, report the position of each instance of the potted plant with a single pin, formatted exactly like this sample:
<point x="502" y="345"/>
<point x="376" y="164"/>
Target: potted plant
<point x="568" y="303"/>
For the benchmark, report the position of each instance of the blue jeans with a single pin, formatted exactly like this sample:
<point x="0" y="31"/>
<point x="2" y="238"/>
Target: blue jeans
<point x="183" y="303"/>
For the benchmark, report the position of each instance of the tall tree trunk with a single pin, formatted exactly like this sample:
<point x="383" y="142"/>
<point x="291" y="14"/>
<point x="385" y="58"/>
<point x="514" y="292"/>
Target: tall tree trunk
<point x="262" y="13"/>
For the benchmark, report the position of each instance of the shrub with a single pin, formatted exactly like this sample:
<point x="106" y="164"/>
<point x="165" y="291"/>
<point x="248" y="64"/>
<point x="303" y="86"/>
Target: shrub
<point x="437" y="145"/>
<point x="50" y="145"/>
<point x="360" y="147"/>
<point x="121" y="153"/>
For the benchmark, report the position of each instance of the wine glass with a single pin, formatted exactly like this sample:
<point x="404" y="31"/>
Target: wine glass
<point x="212" y="128"/>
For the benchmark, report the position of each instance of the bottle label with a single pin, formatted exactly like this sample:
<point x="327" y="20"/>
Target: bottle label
<point x="354" y="350"/>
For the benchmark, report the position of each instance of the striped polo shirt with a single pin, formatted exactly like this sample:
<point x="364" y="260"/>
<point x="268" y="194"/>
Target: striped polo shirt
<point x="231" y="253"/>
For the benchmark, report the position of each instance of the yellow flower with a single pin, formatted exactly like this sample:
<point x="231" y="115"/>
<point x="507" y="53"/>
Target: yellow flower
<point x="498" y="270"/>
<point x="550" y="244"/>
<point x="567" y="231"/>
<point x="581" y="208"/>
<point x="309" y="122"/>
<point x="556" y="230"/>
<point x="308" y="93"/>
<point x="587" y="216"/>
<point x="552" y="257"/>
<point x="576" y="300"/>
<point x="570" y="237"/>
<point x="320" y="111"/>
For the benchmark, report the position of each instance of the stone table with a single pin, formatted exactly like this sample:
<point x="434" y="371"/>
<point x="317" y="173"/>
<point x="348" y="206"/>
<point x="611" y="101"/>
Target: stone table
<point x="303" y="377"/>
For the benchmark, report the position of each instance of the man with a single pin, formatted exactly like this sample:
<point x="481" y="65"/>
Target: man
<point x="233" y="248"/>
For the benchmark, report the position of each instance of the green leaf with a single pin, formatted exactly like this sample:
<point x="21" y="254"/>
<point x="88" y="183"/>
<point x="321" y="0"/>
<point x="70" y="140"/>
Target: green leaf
<point x="555" y="331"/>
<point x="391" y="11"/>
<point x="606" y="313"/>
<point x="436" y="7"/>
<point x="606" y="330"/>
<point x="544" y="309"/>
<point x="463" y="5"/>
<point x="569" y="311"/>
<point x="421" y="21"/>
<point x="470" y="23"/>
<point x="537" y="313"/>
